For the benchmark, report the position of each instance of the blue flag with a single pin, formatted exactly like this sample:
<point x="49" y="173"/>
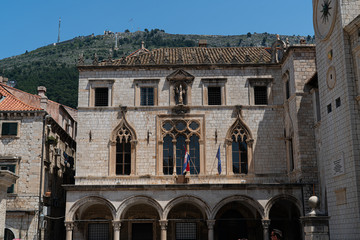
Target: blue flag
<point x="219" y="160"/>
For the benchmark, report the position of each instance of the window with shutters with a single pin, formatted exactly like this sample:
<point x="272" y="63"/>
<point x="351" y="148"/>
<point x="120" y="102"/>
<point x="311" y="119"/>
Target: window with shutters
<point x="10" y="129"/>
<point x="146" y="92"/>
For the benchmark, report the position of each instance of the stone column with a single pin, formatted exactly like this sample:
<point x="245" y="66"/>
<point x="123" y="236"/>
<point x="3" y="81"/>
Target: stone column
<point x="210" y="224"/>
<point x="117" y="226"/>
<point x="69" y="230"/>
<point x="315" y="223"/>
<point x="163" y="225"/>
<point x="6" y="180"/>
<point x="266" y="224"/>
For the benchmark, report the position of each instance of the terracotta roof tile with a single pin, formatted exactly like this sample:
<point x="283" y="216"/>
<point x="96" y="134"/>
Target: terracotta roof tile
<point x="196" y="55"/>
<point x="8" y="102"/>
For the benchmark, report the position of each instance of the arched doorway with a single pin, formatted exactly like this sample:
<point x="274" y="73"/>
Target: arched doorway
<point x="94" y="222"/>
<point x="187" y="221"/>
<point x="237" y="220"/>
<point x="140" y="222"/>
<point x="285" y="216"/>
<point x="9" y="235"/>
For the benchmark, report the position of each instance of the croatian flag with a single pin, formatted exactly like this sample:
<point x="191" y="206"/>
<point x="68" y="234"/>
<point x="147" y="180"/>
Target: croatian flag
<point x="219" y="160"/>
<point x="186" y="166"/>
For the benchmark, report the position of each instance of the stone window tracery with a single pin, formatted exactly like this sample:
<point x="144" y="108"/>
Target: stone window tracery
<point x="239" y="148"/>
<point x="176" y="135"/>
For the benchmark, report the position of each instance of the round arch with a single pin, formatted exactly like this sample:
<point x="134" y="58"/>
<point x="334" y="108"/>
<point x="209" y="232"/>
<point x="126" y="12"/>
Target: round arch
<point x="202" y="205"/>
<point x="88" y="201"/>
<point x="287" y="197"/>
<point x="244" y="199"/>
<point x="135" y="200"/>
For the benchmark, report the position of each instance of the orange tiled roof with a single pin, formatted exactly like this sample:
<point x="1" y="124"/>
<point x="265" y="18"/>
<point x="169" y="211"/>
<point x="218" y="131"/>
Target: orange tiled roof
<point x="196" y="55"/>
<point x="8" y="102"/>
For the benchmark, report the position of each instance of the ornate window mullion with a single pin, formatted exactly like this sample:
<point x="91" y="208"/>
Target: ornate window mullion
<point x="174" y="156"/>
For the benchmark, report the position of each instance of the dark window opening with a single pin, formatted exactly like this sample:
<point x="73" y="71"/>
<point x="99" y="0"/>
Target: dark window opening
<point x="291" y="155"/>
<point x="147" y="97"/>
<point x="287" y="89"/>
<point x="329" y="109"/>
<point x="101" y="97"/>
<point x="123" y="158"/>
<point x="186" y="231"/>
<point x="168" y="156"/>
<point x="338" y="102"/>
<point x="98" y="231"/>
<point x="9" y="129"/>
<point x="214" y="95"/>
<point x="260" y="93"/>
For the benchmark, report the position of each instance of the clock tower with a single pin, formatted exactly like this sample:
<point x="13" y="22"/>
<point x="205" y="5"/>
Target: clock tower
<point x="337" y="33"/>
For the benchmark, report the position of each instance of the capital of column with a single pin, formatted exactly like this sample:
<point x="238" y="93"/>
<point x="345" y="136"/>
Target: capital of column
<point x="69" y="226"/>
<point x="163" y="224"/>
<point x="266" y="223"/>
<point x="211" y="223"/>
<point x="116" y="225"/>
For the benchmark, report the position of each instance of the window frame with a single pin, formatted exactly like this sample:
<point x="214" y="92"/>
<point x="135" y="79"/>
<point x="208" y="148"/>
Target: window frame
<point x="215" y="82"/>
<point x="260" y="82"/>
<point x="11" y="161"/>
<point x="18" y="122"/>
<point x="101" y="83"/>
<point x="146" y="83"/>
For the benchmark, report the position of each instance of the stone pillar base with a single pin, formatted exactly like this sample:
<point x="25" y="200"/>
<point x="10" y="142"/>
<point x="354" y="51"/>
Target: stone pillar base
<point x="315" y="227"/>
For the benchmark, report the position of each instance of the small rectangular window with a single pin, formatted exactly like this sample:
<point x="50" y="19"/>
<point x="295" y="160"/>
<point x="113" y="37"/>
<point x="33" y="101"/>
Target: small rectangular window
<point x="329" y="109"/>
<point x="9" y="129"/>
<point x="147" y="96"/>
<point x="260" y="95"/>
<point x="214" y="95"/>
<point x="338" y="102"/>
<point x="101" y="97"/>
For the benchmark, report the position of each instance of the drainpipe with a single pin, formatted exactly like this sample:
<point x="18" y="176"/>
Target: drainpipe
<point x="40" y="214"/>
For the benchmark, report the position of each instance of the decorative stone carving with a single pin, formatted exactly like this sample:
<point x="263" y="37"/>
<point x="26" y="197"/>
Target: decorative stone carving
<point x="180" y="109"/>
<point x="180" y="94"/>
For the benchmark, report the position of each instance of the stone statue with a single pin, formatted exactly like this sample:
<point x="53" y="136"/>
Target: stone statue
<point x="180" y="93"/>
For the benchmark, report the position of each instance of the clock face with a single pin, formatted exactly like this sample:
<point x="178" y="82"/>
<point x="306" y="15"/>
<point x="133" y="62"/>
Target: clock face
<point x="324" y="17"/>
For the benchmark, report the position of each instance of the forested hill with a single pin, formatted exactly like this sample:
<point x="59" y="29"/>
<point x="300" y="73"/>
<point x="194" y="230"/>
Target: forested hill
<point x="54" y="66"/>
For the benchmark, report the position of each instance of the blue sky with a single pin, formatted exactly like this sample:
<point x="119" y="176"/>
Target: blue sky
<point x="27" y="25"/>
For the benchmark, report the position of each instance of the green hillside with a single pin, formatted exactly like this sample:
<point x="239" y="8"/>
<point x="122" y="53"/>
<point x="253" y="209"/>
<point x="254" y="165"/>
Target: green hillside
<point x="54" y="66"/>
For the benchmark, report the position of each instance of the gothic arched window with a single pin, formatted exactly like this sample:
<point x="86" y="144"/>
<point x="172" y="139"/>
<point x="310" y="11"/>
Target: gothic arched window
<point x="122" y="150"/>
<point x="239" y="149"/>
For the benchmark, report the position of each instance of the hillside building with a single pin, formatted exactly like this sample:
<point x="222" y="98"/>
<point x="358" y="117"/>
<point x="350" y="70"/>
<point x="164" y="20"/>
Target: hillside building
<point x="38" y="146"/>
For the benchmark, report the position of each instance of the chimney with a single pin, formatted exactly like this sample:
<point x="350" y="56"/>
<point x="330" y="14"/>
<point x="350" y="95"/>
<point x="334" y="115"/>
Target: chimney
<point x="43" y="99"/>
<point x="202" y="43"/>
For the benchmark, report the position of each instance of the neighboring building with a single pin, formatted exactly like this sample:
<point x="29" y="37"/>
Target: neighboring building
<point x="337" y="31"/>
<point x="40" y="149"/>
<point x="138" y="115"/>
